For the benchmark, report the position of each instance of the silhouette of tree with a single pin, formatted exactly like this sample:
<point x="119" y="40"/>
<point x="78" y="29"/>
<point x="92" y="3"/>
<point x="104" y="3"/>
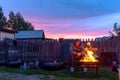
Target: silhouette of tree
<point x="3" y="19"/>
<point x="116" y="30"/>
<point x="11" y="21"/>
<point x="17" y="22"/>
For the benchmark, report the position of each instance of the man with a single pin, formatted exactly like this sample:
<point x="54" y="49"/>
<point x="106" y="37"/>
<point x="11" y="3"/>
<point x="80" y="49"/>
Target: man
<point x="76" y="52"/>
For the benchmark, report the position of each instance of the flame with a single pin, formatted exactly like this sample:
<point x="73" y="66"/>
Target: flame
<point x="89" y="56"/>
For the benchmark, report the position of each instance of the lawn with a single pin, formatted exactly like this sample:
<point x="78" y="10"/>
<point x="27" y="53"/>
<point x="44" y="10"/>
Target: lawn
<point x="105" y="74"/>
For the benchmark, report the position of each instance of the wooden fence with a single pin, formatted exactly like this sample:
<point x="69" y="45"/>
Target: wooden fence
<point x="108" y="50"/>
<point x="50" y="50"/>
<point x="30" y="50"/>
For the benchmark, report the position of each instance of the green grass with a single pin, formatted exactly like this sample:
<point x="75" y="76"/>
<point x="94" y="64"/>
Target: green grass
<point x="105" y="74"/>
<point x="3" y="79"/>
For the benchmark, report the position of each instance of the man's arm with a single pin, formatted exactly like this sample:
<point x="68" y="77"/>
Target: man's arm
<point x="72" y="51"/>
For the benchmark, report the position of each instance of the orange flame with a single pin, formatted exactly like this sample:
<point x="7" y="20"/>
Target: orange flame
<point x="89" y="56"/>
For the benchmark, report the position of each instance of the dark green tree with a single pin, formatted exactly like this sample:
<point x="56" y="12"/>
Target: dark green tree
<point x="17" y="22"/>
<point x="11" y="21"/>
<point x="116" y="31"/>
<point x="3" y="19"/>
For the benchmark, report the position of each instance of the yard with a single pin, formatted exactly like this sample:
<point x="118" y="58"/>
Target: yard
<point x="15" y="74"/>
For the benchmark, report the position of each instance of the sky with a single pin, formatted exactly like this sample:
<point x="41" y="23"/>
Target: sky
<point x="67" y="18"/>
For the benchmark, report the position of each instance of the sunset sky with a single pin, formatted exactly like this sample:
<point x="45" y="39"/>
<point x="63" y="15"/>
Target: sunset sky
<point x="67" y="18"/>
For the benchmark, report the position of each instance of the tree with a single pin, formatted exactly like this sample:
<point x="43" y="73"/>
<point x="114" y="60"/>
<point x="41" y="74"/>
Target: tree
<point x="3" y="19"/>
<point x="116" y="31"/>
<point x="17" y="22"/>
<point x="11" y="21"/>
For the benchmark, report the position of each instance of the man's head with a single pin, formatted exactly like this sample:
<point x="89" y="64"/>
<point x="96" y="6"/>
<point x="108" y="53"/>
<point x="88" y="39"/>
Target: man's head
<point x="77" y="43"/>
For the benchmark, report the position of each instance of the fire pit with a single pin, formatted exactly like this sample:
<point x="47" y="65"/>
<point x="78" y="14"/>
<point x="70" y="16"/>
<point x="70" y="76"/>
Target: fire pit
<point x="93" y="65"/>
<point x="89" y="60"/>
<point x="89" y="63"/>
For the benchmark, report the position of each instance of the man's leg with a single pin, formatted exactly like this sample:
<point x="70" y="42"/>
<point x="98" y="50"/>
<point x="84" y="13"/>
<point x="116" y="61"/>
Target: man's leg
<point x="74" y="61"/>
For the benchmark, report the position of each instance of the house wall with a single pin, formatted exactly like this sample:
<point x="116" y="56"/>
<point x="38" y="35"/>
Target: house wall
<point x="4" y="35"/>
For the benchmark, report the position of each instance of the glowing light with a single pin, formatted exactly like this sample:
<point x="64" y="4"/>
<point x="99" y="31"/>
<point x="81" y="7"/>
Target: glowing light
<point x="69" y="36"/>
<point x="89" y="55"/>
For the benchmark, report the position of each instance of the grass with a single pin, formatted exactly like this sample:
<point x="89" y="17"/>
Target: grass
<point x="2" y="79"/>
<point x="105" y="74"/>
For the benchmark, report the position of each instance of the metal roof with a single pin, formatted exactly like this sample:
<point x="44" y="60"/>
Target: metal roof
<point x="36" y="34"/>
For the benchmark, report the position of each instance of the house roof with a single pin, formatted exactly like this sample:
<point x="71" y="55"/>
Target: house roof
<point x="33" y="34"/>
<point x="7" y="30"/>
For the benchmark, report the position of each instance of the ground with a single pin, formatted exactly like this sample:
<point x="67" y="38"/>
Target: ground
<point x="15" y="74"/>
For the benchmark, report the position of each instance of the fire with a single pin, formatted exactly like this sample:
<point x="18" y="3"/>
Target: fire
<point x="89" y="55"/>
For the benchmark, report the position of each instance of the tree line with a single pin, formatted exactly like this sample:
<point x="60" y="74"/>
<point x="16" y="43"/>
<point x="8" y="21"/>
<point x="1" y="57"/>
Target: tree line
<point x="14" y="22"/>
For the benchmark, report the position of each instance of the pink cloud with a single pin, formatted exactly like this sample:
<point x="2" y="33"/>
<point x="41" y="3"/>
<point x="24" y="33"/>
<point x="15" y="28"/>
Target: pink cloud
<point x="75" y="35"/>
<point x="67" y="28"/>
<point x="55" y="25"/>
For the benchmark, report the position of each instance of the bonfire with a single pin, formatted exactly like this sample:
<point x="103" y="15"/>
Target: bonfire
<point x="89" y="55"/>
